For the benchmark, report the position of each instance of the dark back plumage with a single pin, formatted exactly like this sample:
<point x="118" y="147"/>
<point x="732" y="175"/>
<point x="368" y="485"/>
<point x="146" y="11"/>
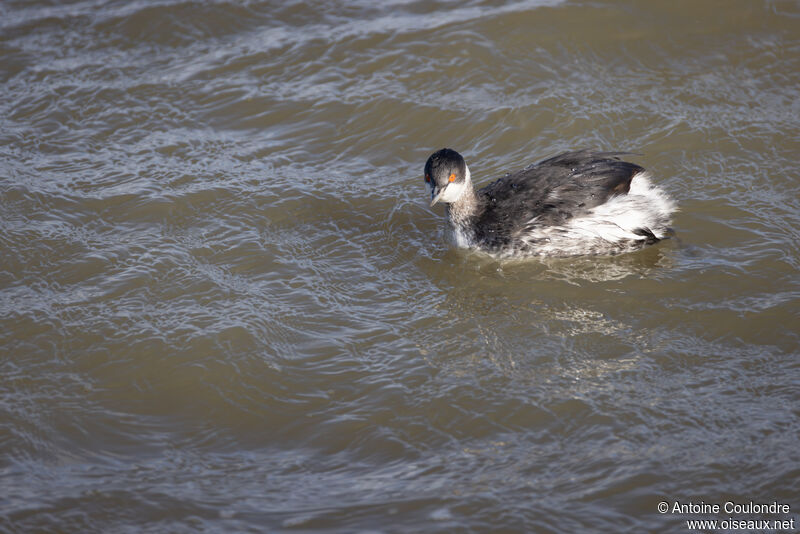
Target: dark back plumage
<point x="551" y="192"/>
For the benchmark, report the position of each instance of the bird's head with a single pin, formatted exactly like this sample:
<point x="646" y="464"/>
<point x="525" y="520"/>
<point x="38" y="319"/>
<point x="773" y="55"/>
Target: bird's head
<point x="447" y="174"/>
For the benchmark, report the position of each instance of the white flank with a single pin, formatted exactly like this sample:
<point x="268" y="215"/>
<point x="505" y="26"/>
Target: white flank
<point x="609" y="225"/>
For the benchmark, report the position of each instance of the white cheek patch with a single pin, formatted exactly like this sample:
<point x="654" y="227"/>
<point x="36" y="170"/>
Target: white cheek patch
<point x="452" y="192"/>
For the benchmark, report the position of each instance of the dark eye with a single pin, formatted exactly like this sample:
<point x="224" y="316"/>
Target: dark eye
<point x="427" y="179"/>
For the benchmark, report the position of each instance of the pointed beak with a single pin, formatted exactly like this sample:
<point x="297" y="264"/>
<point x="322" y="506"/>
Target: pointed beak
<point x="437" y="194"/>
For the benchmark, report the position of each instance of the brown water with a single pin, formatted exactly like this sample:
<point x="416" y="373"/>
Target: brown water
<point x="225" y="305"/>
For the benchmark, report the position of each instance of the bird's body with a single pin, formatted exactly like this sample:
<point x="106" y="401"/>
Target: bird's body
<point x="582" y="202"/>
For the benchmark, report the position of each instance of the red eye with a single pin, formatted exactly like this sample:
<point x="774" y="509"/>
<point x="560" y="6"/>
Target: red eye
<point x="452" y="178"/>
<point x="427" y="178"/>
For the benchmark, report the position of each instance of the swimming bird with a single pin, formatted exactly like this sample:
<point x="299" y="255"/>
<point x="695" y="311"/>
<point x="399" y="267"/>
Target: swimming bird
<point x="576" y="203"/>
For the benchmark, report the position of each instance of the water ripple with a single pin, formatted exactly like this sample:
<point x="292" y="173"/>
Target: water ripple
<point x="225" y="304"/>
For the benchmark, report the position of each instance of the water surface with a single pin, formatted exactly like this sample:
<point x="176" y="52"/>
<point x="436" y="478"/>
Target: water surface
<point x="225" y="305"/>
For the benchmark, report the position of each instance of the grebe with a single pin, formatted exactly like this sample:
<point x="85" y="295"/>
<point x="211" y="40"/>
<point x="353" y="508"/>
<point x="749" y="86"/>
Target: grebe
<point x="582" y="202"/>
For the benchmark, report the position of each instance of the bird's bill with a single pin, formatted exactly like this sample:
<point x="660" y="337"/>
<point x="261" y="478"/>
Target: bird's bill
<point x="437" y="194"/>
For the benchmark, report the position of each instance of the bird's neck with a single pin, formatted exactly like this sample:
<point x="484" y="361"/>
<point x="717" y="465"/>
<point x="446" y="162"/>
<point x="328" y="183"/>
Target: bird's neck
<point x="465" y="208"/>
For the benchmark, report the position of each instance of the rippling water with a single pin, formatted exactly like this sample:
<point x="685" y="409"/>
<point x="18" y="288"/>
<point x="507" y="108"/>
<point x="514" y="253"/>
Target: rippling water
<point x="225" y="305"/>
